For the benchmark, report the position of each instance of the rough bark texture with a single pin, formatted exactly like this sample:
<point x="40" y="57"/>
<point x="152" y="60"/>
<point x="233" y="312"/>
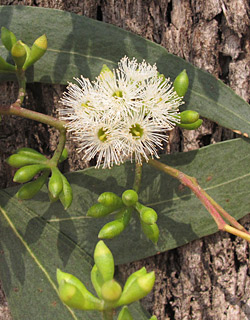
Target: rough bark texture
<point x="208" y="278"/>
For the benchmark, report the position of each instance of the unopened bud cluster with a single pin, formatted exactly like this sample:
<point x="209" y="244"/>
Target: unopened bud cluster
<point x="22" y="54"/>
<point x="31" y="163"/>
<point x="122" y="208"/>
<point x="110" y="293"/>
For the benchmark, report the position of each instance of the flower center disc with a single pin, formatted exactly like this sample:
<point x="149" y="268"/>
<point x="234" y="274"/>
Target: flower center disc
<point x="136" y="131"/>
<point x="102" y="134"/>
<point x="118" y="93"/>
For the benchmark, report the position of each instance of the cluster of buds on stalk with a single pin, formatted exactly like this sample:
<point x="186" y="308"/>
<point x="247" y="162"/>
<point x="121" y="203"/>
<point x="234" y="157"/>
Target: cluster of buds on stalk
<point x="31" y="163"/>
<point x="22" y="54"/>
<point x="189" y="119"/>
<point x="110" y="293"/>
<point x="122" y="207"/>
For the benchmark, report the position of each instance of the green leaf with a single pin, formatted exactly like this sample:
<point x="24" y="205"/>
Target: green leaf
<point x="221" y="169"/>
<point x="30" y="252"/>
<point x="80" y="46"/>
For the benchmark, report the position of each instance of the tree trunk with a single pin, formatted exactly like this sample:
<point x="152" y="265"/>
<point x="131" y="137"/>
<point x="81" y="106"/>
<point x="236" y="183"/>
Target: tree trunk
<point x="208" y="278"/>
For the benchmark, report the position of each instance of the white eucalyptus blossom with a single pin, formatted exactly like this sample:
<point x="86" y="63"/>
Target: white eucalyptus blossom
<point x="123" y="114"/>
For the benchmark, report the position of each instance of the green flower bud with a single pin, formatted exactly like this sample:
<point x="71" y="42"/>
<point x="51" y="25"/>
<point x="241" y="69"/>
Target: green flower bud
<point x="125" y="314"/>
<point x="181" y="83"/>
<point x="97" y="280"/>
<point x="133" y="277"/>
<point x="110" y="199"/>
<point x="161" y="76"/>
<point x="73" y="293"/>
<point x="189" y="116"/>
<point x="147" y="215"/>
<point x="30" y="189"/>
<point x="124" y="215"/>
<point x="8" y="38"/>
<point x="18" y="53"/>
<point x="99" y="210"/>
<point x="191" y="126"/>
<point x="71" y="296"/>
<point x="111" y="229"/>
<point x="111" y="291"/>
<point x="20" y="160"/>
<point x="151" y="231"/>
<point x="55" y="183"/>
<point x="51" y="198"/>
<point x="105" y="69"/>
<point x="129" y="198"/>
<point x="38" y="49"/>
<point x="114" y="228"/>
<point x="104" y="261"/>
<point x="153" y="318"/>
<point x="64" y="155"/>
<point x="138" y="289"/>
<point x="27" y="48"/>
<point x="29" y="152"/>
<point x="5" y="67"/>
<point x="66" y="196"/>
<point x="26" y="173"/>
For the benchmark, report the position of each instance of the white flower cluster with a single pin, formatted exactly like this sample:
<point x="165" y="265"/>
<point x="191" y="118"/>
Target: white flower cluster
<point x="122" y="114"/>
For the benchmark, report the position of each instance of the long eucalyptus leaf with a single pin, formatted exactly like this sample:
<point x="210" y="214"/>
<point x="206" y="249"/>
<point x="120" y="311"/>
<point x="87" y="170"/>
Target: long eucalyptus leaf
<point x="80" y="46"/>
<point x="221" y="169"/>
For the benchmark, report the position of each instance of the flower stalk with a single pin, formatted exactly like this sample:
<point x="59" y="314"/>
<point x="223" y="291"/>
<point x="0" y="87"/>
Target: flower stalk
<point x="107" y="314"/>
<point x="17" y="110"/>
<point x="138" y="176"/>
<point x="213" y="208"/>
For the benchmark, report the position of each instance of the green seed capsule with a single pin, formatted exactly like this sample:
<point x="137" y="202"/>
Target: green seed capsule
<point x="18" y="53"/>
<point x="64" y="155"/>
<point x="73" y="293"/>
<point x="104" y="261"/>
<point x="30" y="189"/>
<point x="99" y="210"/>
<point x="20" y="160"/>
<point x="129" y="198"/>
<point x="38" y="49"/>
<point x="66" y="196"/>
<point x="147" y="215"/>
<point x="26" y="173"/>
<point x="55" y="183"/>
<point x="189" y="116"/>
<point x="110" y="199"/>
<point x="181" y="83"/>
<point x="138" y="289"/>
<point x="111" y="291"/>
<point x="125" y="314"/>
<point x="191" y="126"/>
<point x="8" y="38"/>
<point x="97" y="280"/>
<point x="151" y="231"/>
<point x="29" y="152"/>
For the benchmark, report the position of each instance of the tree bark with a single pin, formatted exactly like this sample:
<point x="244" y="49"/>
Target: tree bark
<point x="208" y="278"/>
